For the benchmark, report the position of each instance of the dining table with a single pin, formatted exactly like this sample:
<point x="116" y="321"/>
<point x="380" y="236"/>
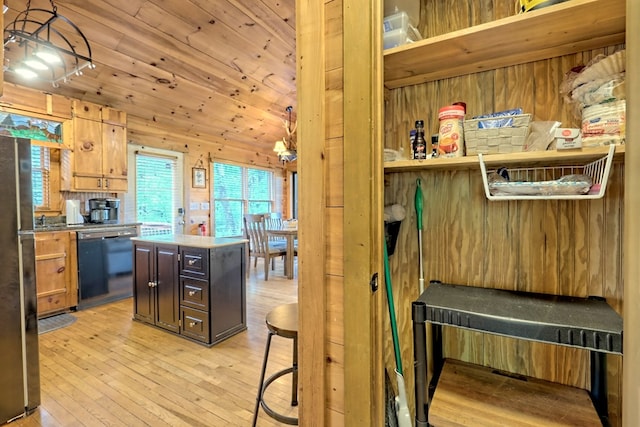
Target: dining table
<point x="290" y="234"/>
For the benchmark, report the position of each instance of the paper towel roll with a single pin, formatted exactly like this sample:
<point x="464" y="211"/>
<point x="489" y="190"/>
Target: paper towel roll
<point x="394" y="212"/>
<point x="73" y="212"/>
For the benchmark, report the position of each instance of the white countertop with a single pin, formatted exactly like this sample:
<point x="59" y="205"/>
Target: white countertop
<point x="190" y="240"/>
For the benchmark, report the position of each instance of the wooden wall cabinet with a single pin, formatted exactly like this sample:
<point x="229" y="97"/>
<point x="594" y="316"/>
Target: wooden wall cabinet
<point x="56" y="272"/>
<point x="99" y="143"/>
<point x="196" y="292"/>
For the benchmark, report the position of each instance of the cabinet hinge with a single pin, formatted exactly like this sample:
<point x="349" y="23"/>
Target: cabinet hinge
<point x="178" y="257"/>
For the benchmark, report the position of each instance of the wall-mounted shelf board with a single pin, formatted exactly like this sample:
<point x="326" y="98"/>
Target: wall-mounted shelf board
<point x="530" y="158"/>
<point x="557" y="30"/>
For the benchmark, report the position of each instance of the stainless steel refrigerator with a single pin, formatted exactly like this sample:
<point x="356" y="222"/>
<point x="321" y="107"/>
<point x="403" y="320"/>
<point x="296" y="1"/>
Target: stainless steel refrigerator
<point x="19" y="363"/>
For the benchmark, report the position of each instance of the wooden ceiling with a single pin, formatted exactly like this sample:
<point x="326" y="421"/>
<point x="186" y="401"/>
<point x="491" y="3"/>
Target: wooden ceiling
<point x="218" y="70"/>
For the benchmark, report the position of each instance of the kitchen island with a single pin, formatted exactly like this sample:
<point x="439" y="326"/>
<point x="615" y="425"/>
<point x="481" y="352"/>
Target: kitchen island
<point x="192" y="286"/>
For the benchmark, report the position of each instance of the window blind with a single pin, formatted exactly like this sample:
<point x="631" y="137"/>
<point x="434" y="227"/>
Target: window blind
<point x="155" y="193"/>
<point x="40" y="176"/>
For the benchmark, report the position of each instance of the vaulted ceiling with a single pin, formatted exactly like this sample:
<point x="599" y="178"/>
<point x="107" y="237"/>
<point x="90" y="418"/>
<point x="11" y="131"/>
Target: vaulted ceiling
<point x="220" y="70"/>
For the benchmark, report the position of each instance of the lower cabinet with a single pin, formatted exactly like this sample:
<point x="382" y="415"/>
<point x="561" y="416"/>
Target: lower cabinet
<point x="198" y="293"/>
<point x="155" y="273"/>
<point x="56" y="272"/>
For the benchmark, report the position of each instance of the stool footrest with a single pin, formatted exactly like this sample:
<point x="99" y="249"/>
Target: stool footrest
<point x="273" y="414"/>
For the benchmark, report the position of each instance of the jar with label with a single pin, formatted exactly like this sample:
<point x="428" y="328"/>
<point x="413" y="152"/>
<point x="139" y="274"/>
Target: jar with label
<point x="412" y="141"/>
<point x="419" y="144"/>
<point x="450" y="136"/>
<point x="434" y="145"/>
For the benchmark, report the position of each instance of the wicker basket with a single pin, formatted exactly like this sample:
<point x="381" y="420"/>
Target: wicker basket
<point x="496" y="140"/>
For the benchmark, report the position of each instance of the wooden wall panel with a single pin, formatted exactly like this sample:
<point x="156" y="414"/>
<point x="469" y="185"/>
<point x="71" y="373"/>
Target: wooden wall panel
<point x="335" y="310"/>
<point x="35" y="101"/>
<point x="335" y="179"/>
<point x="335" y="383"/>
<point x="321" y="367"/>
<point x="334" y="103"/>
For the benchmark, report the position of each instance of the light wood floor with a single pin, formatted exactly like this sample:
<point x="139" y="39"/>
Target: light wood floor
<point x="108" y="370"/>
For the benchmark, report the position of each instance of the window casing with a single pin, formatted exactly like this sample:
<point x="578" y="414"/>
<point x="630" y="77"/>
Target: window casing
<point x="238" y="190"/>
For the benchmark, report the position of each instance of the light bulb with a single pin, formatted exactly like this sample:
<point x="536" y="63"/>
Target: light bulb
<point x="48" y="56"/>
<point x="35" y="63"/>
<point x="26" y="73"/>
<point x="280" y="147"/>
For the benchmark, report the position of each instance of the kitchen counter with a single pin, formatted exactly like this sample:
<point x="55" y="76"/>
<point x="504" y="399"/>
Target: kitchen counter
<point x="192" y="241"/>
<point x="82" y="227"/>
<point x="191" y="286"/>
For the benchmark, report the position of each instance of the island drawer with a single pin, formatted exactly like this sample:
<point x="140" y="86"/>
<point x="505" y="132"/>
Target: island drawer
<point x="194" y="324"/>
<point x="194" y="293"/>
<point x="194" y="262"/>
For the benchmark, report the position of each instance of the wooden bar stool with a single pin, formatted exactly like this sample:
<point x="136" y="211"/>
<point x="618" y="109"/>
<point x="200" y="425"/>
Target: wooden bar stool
<point x="281" y="321"/>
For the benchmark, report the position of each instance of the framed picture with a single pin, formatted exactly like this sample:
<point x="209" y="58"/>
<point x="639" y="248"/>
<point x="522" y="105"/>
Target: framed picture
<point x="199" y="178"/>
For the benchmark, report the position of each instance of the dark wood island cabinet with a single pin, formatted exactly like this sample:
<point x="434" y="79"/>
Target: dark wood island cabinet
<point x="192" y="286"/>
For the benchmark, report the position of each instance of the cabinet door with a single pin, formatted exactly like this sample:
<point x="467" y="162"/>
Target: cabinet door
<point x="88" y="150"/>
<point x="53" y="275"/>
<point x="143" y="276"/>
<point x="228" y="300"/>
<point x="167" y="295"/>
<point x="87" y="110"/>
<point x="114" y="117"/>
<point x="114" y="157"/>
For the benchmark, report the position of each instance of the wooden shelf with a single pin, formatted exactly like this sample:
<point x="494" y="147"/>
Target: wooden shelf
<point x="562" y="29"/>
<point x="532" y="158"/>
<point x="493" y="398"/>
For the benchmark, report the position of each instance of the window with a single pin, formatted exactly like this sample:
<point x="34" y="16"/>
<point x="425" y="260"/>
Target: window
<point x="238" y="190"/>
<point x="155" y="195"/>
<point x="40" y="174"/>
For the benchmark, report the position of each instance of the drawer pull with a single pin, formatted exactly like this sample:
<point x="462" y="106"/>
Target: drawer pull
<point x="191" y="261"/>
<point x="192" y="324"/>
<point x="61" y="269"/>
<point x="192" y="293"/>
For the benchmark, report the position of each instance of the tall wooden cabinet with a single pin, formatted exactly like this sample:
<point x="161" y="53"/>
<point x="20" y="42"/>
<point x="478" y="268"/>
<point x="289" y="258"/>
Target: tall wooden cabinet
<point x="99" y="144"/>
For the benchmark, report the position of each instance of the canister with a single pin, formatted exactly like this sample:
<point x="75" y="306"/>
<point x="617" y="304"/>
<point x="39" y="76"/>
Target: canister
<point x="450" y="136"/>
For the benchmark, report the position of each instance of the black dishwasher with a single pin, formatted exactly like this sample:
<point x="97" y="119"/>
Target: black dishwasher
<point x="105" y="265"/>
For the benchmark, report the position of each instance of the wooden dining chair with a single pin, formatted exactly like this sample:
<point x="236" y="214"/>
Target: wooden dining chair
<point x="273" y="221"/>
<point x="259" y="244"/>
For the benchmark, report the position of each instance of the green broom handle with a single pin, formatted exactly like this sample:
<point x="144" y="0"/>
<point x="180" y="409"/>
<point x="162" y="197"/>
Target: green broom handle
<point x="418" y="203"/>
<point x="392" y="310"/>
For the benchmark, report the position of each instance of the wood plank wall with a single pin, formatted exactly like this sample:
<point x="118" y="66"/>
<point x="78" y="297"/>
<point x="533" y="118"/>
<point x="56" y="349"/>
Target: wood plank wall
<point x="558" y="247"/>
<point x="334" y="213"/>
<point x="199" y="150"/>
<point x="202" y="151"/>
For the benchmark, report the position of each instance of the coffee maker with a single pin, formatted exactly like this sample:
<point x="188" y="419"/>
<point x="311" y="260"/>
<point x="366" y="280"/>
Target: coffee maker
<point x="104" y="211"/>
